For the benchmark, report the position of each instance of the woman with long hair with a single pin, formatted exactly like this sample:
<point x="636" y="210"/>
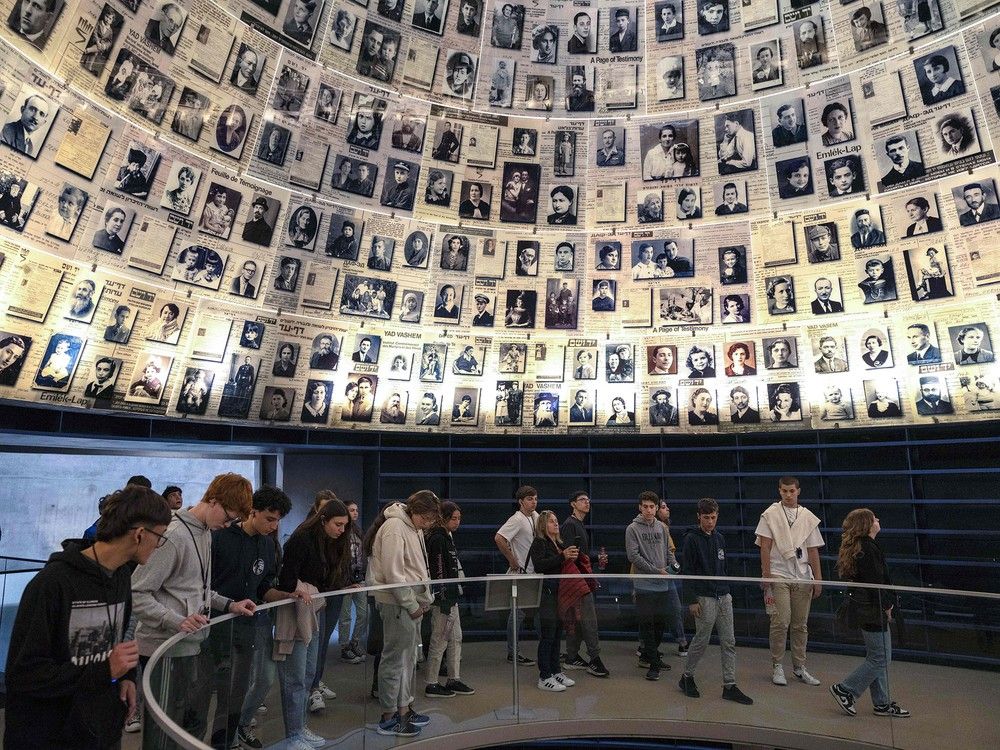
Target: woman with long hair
<point x="446" y="625"/>
<point x="861" y="560"/>
<point x="316" y="559"/>
<point x="350" y="641"/>
<point x="399" y="556"/>
<point x="547" y="554"/>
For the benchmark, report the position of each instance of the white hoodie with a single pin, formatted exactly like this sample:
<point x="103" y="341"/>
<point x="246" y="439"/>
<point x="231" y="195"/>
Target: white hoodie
<point x="399" y="556"/>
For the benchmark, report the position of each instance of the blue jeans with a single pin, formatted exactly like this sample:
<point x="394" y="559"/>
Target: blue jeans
<point x="295" y="676"/>
<point x="328" y="617"/>
<point x="675" y="613"/>
<point x="262" y="672"/>
<point x="873" y="672"/>
<point x="344" y="635"/>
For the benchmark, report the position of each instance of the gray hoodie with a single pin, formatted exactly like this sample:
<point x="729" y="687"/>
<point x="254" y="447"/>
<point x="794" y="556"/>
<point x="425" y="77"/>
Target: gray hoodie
<point x="175" y="583"/>
<point x="647" y="547"/>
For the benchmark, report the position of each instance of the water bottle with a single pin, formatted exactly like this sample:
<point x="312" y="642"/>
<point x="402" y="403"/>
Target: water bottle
<point x="602" y="559"/>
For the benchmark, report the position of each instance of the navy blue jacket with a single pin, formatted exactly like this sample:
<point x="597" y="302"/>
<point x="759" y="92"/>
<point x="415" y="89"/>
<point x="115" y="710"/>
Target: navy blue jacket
<point x="703" y="555"/>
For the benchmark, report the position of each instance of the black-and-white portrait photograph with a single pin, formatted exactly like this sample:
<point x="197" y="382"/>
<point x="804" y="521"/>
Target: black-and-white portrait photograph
<point x="546" y="409"/>
<point x="971" y="343"/>
<point x="526" y="263"/>
<point x="767" y="72"/>
<point x="286" y="360"/>
<point x="920" y="215"/>
<point x="702" y="409"/>
<point x="829" y="354"/>
<point x="354" y="176"/>
<point x="821" y="242"/>
<point x="429" y="15"/>
<point x="837" y="122"/>
<point x="428" y="409"/>
<point x="103" y="377"/>
<point x="669" y="150"/>
<point x="564" y="154"/>
<point x="866" y="228"/>
<point x="976" y="202"/>
<point x="899" y="159"/>
<point x="794" y="177"/>
<point x="670" y="78"/>
<point x="189" y="118"/>
<point x="259" y="226"/>
<point x="475" y="200"/>
<point x="520" y="308"/>
<point x="14" y="349"/>
<point x="713" y="17"/>
<point x="716" y="69"/>
<point x="827" y="296"/>
<point x="844" y="176"/>
<point x="539" y="92"/>
<point x="448" y="303"/>
<point x="868" y="27"/>
<point x="408" y="131"/>
<point x="149" y="376"/>
<point x="780" y="292"/>
<point x="391" y="9"/>
<point x="619" y="363"/>
<point x="608" y="255"/>
<point x="32" y="20"/>
<point x="524" y="142"/>
<point x="201" y="266"/>
<point x="252" y="334"/>
<point x="669" y="19"/>
<point x="465" y="407"/>
<point x="508" y="22"/>
<point x="957" y="135"/>
<point x="545" y="44"/>
<point x="732" y="264"/>
<point x="69" y="207"/>
<point x="164" y="28"/>
<point x="688" y="203"/>
<point x="810" y="42"/>
<point x="120" y="322"/>
<point x="58" y="363"/>
<point x="455" y="252"/>
<point x="605" y="292"/>
<point x="221" y="206"/>
<point x="931" y="396"/>
<point x="469" y="360"/>
<point x="784" y="402"/>
<point x="735" y="140"/>
<point x="138" y="167"/>
<point x="447" y="141"/>
<point x="837" y="404"/>
<point x="290" y="90"/>
<point x="399" y="187"/>
<point x="562" y="205"/>
<point x="231" y="131"/>
<point x="327" y="103"/>
<point x="97" y="51"/>
<point x="168" y="322"/>
<point x="483" y="316"/>
<point x="287" y="278"/>
<point x="180" y="188"/>
<point x="380" y="253"/>
<point x="740" y="359"/>
<point x="662" y="259"/>
<point x="876" y="350"/>
<point x="195" y="390"/>
<point x="502" y="83"/>
<point x="301" y="19"/>
<point x="316" y="404"/>
<point x="416" y="249"/>
<point x="743" y="405"/>
<point x="923" y="17"/>
<point x="365" y="130"/>
<point x="882" y="398"/>
<point x="565" y="256"/>
<point x="509" y="402"/>
<point x="685" y="306"/>
<point x="273" y="144"/>
<point x="276" y="404"/>
<point x="939" y="76"/>
<point x="400" y="365"/>
<point x="929" y="273"/>
<point x="649" y="206"/>
<point x="302" y="227"/>
<point x="432" y="361"/>
<point x="123" y="75"/>
<point x="368" y="297"/>
<point x="249" y="275"/>
<point x="150" y="93"/>
<point x="877" y="279"/>
<point x="83" y="300"/>
<point x="623" y="30"/>
<point x="325" y="352"/>
<point x="377" y="56"/>
<point x="111" y="237"/>
<point x="469" y="21"/>
<point x="28" y="121"/>
<point x="519" y="203"/>
<point x="512" y="357"/>
<point x="342" y="29"/>
<point x="734" y="308"/>
<point x="730" y="198"/>
<point x="789" y="121"/>
<point x="247" y="69"/>
<point x="561" y="300"/>
<point x="923" y="342"/>
<point x="621" y="411"/>
<point x="611" y="147"/>
<point x="344" y="237"/>
<point x="580" y="88"/>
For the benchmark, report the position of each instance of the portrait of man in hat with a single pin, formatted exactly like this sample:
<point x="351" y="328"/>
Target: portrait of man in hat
<point x="398" y="192"/>
<point x="932" y="399"/>
<point x="483" y="316"/>
<point x="822" y="242"/>
<point x="461" y="77"/>
<point x="257" y="229"/>
<point x="133" y="178"/>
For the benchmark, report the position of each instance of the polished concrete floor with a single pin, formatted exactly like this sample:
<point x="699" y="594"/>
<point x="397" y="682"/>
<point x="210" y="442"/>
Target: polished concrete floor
<point x="953" y="709"/>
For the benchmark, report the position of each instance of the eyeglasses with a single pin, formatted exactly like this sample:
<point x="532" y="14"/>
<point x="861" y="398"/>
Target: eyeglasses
<point x="160" y="538"/>
<point x="229" y="518"/>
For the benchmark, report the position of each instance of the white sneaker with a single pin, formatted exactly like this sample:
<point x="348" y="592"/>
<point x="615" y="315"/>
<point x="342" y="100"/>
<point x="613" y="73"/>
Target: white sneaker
<point x="298" y="742"/>
<point x="804" y="676"/>
<point x="562" y="679"/>
<point x="316" y="702"/>
<point x="778" y="678"/>
<point x="262" y="709"/>
<point x="312" y="738"/>
<point x="325" y="691"/>
<point x="552" y="685"/>
<point x="134" y="724"/>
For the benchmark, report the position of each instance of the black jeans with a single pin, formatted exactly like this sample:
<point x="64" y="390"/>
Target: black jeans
<point x="549" y="635"/>
<point x="651" y="607"/>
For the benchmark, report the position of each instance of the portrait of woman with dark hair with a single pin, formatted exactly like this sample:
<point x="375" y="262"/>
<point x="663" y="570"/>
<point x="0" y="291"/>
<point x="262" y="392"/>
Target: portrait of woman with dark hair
<point x="699" y="362"/>
<point x="785" y="406"/>
<point x="958" y="135"/>
<point x="302" y="227"/>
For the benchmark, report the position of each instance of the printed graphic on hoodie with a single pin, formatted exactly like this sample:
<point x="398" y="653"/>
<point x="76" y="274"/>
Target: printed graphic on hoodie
<point x="91" y="635"/>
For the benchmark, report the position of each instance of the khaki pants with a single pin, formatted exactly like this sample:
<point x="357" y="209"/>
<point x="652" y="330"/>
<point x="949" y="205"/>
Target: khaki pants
<point x="792" y="602"/>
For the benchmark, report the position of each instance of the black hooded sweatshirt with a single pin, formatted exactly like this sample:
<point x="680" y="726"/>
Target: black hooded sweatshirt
<point x="59" y="689"/>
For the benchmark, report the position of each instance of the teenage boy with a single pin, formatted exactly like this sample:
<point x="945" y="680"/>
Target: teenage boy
<point x="513" y="539"/>
<point x="711" y="604"/>
<point x="789" y="540"/>
<point x="647" y="547"/>
<point x="244" y="566"/>
<point x="70" y="673"/>
<point x="574" y="533"/>
<point x="174" y="594"/>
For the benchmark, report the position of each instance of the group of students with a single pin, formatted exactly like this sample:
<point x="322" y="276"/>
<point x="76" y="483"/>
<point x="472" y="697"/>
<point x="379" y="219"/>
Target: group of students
<point x="102" y="606"/>
<point x="789" y="540"/>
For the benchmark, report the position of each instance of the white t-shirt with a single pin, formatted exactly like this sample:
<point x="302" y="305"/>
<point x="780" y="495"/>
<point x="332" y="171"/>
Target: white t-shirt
<point x="791" y="567"/>
<point x="519" y="530"/>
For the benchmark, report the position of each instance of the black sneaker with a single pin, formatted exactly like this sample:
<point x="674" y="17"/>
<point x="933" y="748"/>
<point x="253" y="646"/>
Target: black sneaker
<point x="688" y="687"/>
<point x="845" y="699"/>
<point x="892" y="709"/>
<point x="734" y="694"/>
<point x="247" y="738"/>
<point x="398" y="728"/>
<point x="643" y="663"/>
<point x="522" y="660"/>
<point x="653" y="674"/>
<point x="682" y="649"/>
<point x="459" y="688"/>
<point x="434" y="690"/>
<point x="660" y="664"/>
<point x="597" y="668"/>
<point x="577" y="662"/>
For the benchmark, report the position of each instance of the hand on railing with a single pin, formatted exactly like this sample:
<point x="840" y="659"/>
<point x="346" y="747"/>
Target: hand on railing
<point x="245" y="607"/>
<point x="194" y="622"/>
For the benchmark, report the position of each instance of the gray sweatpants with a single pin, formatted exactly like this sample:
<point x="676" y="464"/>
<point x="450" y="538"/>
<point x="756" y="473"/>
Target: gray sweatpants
<point x="397" y="668"/>
<point x="715" y="613"/>
<point x="585" y="630"/>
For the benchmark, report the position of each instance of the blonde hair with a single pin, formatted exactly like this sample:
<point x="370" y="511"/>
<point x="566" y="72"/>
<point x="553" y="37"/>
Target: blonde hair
<point x="542" y="522"/>
<point x="856" y="526"/>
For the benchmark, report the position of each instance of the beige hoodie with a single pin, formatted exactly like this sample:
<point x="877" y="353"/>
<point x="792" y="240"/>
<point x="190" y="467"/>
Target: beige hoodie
<point x="399" y="556"/>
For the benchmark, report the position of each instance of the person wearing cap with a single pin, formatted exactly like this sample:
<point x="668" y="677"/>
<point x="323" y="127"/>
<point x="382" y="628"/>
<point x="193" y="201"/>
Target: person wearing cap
<point x="399" y="195"/>
<point x="460" y="77"/>
<point x="622" y="36"/>
<point x="483" y="317"/>
<point x="544" y="414"/>
<point x="930" y="401"/>
<point x="131" y="180"/>
<point x="174" y="497"/>
<point x="257" y="230"/>
<point x="821" y="245"/>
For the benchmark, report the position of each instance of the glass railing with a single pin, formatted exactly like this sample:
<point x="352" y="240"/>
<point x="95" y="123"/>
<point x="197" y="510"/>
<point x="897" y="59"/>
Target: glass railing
<point x="16" y="572"/>
<point x="222" y="687"/>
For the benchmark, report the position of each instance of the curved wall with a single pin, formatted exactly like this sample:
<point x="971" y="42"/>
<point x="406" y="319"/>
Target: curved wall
<point x="257" y="134"/>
